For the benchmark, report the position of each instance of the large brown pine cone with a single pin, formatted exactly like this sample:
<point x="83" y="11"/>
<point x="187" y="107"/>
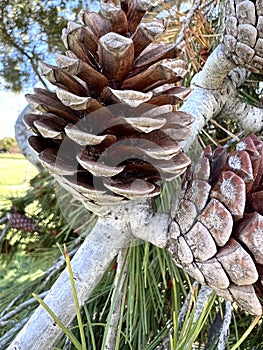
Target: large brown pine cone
<point x="243" y="33"/>
<point x="216" y="232"/>
<point x="110" y="132"/>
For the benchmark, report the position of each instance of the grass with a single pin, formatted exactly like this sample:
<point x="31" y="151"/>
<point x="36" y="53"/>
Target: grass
<point x="16" y="172"/>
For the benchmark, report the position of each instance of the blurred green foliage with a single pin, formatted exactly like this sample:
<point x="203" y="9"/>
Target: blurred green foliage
<point x="6" y="143"/>
<point x="30" y="31"/>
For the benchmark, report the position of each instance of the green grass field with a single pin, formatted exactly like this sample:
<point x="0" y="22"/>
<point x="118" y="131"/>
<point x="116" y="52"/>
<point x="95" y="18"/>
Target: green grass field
<point x="15" y="174"/>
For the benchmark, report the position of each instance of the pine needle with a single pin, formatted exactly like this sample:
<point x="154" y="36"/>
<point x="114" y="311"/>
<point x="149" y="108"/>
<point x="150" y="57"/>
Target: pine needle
<point x="246" y="333"/>
<point x="66" y="331"/>
<point x="75" y="297"/>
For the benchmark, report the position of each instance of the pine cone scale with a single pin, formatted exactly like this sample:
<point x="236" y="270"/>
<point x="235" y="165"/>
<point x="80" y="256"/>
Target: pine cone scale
<point x="215" y="276"/>
<point x="155" y="53"/>
<point x="243" y="31"/>
<point x="238" y="263"/>
<point x="247" y="298"/>
<point x="84" y="71"/>
<point x="252" y="236"/>
<point x="218" y="221"/>
<point x="200" y="242"/>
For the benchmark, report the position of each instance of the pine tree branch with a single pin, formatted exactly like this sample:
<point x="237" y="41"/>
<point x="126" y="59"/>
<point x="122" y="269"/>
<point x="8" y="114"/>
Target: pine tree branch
<point x="4" y="231"/>
<point x="224" y="333"/>
<point x="8" y="335"/>
<point x="248" y="116"/>
<point x="185" y="306"/>
<point x="201" y="302"/>
<point x="32" y="56"/>
<point x="214" y="92"/>
<point x="109" y="235"/>
<point x="116" y="299"/>
<point x="88" y="265"/>
<point x="5" y="319"/>
<point x="203" y="296"/>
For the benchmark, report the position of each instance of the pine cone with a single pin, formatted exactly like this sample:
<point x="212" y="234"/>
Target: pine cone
<point x="216" y="232"/>
<point x="243" y="33"/>
<point x="110" y="132"/>
<point x="21" y="222"/>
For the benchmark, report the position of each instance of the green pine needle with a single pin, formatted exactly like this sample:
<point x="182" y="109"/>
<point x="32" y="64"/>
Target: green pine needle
<point x="66" y="331"/>
<point x="75" y="297"/>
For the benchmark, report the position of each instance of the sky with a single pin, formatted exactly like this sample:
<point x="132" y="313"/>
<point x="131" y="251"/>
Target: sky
<point x="11" y="105"/>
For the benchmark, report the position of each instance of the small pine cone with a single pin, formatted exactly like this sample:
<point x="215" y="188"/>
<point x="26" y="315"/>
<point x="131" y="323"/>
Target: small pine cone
<point x="21" y="222"/>
<point x="216" y="231"/>
<point x="243" y="34"/>
<point x="110" y="132"/>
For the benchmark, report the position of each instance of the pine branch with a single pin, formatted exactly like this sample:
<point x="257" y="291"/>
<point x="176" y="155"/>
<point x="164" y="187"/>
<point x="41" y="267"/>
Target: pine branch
<point x="116" y="300"/>
<point x="248" y="116"/>
<point x="214" y="92"/>
<point x="6" y="319"/>
<point x="185" y="306"/>
<point x="224" y="334"/>
<point x="8" y="335"/>
<point x="4" y="231"/>
<point x="203" y="296"/>
<point x="90" y="262"/>
<point x="109" y="235"/>
<point x="187" y="21"/>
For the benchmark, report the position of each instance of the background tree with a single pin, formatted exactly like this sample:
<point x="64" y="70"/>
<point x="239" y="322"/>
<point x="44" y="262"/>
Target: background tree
<point x="6" y="143"/>
<point x="30" y="32"/>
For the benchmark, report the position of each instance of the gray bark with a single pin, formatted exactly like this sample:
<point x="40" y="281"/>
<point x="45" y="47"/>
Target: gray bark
<point x="116" y="299"/>
<point x="99" y="248"/>
<point x="108" y="237"/>
<point x="214" y="93"/>
<point x="224" y="334"/>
